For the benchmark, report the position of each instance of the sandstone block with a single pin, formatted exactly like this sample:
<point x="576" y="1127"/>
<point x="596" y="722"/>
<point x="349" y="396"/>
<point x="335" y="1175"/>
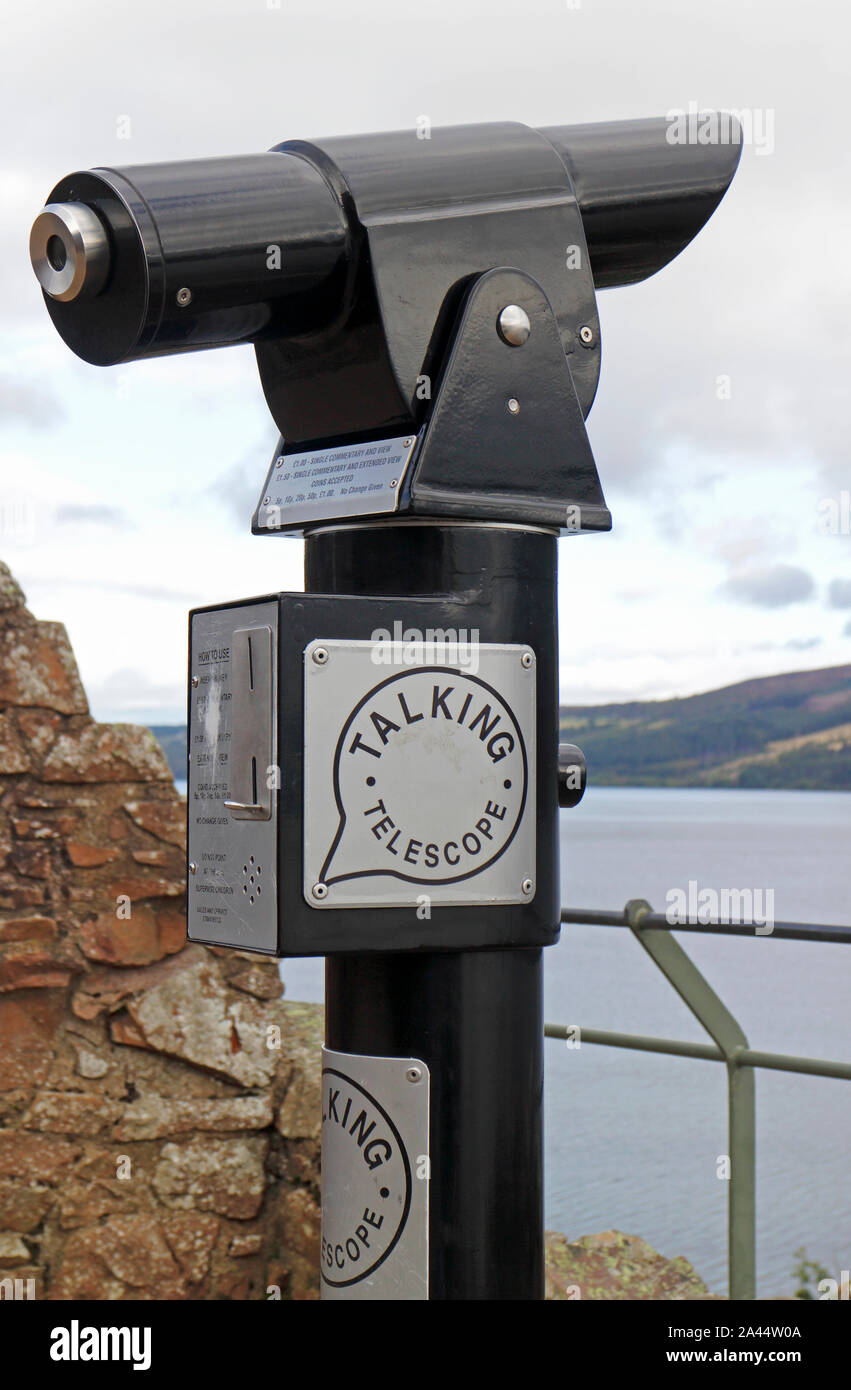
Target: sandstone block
<point x="90" y="1065"/>
<point x="263" y="981"/>
<point x="13" y="755"/>
<point x="164" y="819"/>
<point x="89" y="856"/>
<point x="36" y="1157"/>
<point x="152" y="931"/>
<point x="226" y="1176"/>
<point x="82" y="1203"/>
<point x="191" y="1015"/>
<point x="13" y="1251"/>
<point x="39" y="728"/>
<point x="28" y="929"/>
<point x="106" y="753"/>
<point x="242" y="1246"/>
<point x="16" y="894"/>
<point x="106" y="988"/>
<point x="23" y="1204"/>
<point x="300" y="1113"/>
<point x="29" y="1020"/>
<point x="12" y="596"/>
<point x="37" y="667"/>
<point x="31" y="860"/>
<point x="157" y="1117"/>
<point x="135" y="1257"/>
<point x="36" y="965"/>
<point x="66" y="1112"/>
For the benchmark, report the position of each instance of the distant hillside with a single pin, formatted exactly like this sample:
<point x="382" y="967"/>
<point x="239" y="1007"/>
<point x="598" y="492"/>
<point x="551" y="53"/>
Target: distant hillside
<point x="790" y="731"/>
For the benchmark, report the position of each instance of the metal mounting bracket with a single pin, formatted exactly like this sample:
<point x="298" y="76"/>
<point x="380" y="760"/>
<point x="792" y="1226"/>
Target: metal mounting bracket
<point x="505" y="438"/>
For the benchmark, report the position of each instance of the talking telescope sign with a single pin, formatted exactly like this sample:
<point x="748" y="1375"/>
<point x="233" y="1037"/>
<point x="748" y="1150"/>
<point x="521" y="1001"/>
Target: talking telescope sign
<point x="381" y="758"/>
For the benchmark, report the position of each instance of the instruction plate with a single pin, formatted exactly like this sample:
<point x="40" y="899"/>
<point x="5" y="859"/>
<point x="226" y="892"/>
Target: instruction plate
<point x="347" y="480"/>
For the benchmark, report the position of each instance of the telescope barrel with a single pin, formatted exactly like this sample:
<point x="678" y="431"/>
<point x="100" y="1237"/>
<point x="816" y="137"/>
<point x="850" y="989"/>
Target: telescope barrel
<point x="643" y="196"/>
<point x="199" y="253"/>
<point x="164" y="258"/>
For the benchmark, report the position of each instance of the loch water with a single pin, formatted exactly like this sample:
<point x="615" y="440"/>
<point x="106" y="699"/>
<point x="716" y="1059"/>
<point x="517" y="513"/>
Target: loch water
<point x="633" y="1139"/>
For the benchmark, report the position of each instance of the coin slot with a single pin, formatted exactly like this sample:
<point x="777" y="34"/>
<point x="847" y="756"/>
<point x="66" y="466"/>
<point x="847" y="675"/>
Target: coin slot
<point x="252" y="723"/>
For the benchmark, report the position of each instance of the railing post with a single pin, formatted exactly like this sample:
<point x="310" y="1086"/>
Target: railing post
<point x="667" y="953"/>
<point x="741" y="1199"/>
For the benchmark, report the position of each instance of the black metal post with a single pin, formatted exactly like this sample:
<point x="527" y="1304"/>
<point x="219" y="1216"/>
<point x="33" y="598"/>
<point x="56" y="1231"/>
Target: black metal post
<point x="474" y="1017"/>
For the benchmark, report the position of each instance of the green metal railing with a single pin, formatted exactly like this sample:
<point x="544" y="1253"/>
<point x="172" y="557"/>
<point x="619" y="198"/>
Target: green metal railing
<point x="729" y="1045"/>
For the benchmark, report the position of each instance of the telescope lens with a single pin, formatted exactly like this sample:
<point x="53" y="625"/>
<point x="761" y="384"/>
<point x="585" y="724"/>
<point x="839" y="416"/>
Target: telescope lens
<point x="69" y="251"/>
<point x="56" y="253"/>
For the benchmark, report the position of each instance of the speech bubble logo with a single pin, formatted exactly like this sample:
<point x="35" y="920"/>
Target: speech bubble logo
<point x="430" y="779"/>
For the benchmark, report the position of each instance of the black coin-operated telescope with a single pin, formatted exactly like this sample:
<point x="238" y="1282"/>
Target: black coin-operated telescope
<point x="374" y="765"/>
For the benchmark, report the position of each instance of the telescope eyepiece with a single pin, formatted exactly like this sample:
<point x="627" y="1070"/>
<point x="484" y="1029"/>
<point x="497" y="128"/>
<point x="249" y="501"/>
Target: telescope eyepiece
<point x="69" y="251"/>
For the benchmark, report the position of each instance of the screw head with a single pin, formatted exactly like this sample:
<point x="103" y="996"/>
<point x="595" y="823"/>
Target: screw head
<point x="320" y="655"/>
<point x="526" y="887"/>
<point x="184" y="297"/>
<point x="279" y="463"/>
<point x="513" y="325"/>
<point x="409" y="442"/>
<point x="194" y="682"/>
<point x="586" y="335"/>
<point x="266" y="501"/>
<point x="414" y="1074"/>
<point x="393" y="482"/>
<point x="193" y="867"/>
<point x="526" y="660"/>
<point x="319" y="890"/>
<point x="513" y="405"/>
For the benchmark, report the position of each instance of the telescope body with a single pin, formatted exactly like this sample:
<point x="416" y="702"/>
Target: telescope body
<point x="211" y="227"/>
<point x="374" y="770"/>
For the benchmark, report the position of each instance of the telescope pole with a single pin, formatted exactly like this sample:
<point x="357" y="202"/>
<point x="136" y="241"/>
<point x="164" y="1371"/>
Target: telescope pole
<point x="474" y="1017"/>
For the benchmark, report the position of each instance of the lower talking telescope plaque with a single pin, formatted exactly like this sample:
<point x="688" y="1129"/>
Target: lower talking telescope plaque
<point x="375" y="1177"/>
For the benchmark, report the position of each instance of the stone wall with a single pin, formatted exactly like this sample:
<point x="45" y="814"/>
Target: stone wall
<point x="159" y="1102"/>
<point x="159" y="1106"/>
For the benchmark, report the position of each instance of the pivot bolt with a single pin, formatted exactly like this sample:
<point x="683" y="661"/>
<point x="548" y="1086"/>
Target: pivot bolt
<point x="513" y="325"/>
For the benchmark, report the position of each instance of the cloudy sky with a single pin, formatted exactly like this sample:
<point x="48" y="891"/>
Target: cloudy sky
<point x="126" y="492"/>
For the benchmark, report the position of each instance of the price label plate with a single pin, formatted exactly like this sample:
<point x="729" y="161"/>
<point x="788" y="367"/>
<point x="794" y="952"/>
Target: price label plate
<point x="322" y="485"/>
